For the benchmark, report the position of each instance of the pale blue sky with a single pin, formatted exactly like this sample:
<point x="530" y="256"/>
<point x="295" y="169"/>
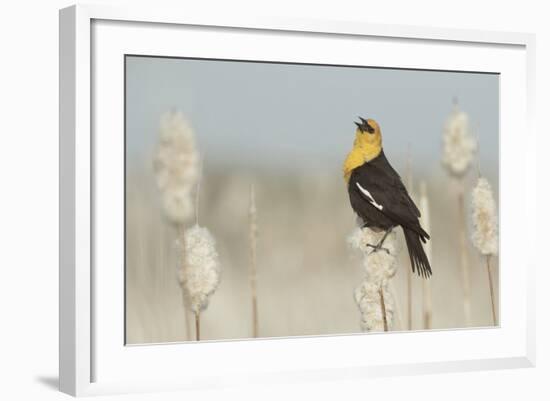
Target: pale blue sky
<point x="262" y="115"/>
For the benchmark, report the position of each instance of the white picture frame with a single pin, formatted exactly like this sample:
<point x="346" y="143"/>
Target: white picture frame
<point x="93" y="357"/>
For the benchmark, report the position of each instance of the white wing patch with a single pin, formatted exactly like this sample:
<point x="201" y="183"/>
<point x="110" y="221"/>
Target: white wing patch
<point x="368" y="195"/>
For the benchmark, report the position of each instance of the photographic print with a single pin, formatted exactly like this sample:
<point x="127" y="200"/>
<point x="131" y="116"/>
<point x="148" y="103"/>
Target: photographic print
<point x="270" y="199"/>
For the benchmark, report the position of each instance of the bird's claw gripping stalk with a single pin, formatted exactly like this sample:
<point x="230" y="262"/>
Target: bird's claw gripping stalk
<point x="376" y="248"/>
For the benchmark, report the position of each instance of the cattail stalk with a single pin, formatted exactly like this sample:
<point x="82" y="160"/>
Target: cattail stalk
<point x="459" y="147"/>
<point x="409" y="299"/>
<point x="490" y="277"/>
<point x="485" y="234"/>
<point x="426" y="284"/>
<point x="373" y="297"/>
<point x="198" y="189"/>
<point x="253" y="271"/>
<point x="198" y="326"/>
<point x="199" y="273"/>
<point x="383" y="307"/>
<point x="175" y="166"/>
<point x="427" y="304"/>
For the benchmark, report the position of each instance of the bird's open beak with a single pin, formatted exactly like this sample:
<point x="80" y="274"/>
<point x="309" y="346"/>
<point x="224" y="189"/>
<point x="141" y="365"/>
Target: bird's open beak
<point x="359" y="125"/>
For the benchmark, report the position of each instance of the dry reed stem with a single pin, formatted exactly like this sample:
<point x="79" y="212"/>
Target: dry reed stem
<point x="383" y="306"/>
<point x="186" y="317"/>
<point x="253" y="237"/>
<point x="490" y="275"/>
<point x="409" y="299"/>
<point x="198" y="326"/>
<point x="427" y="307"/>
<point x="464" y="257"/>
<point x="409" y="271"/>
<point x="485" y="229"/>
<point x="427" y="304"/>
<point x="198" y="190"/>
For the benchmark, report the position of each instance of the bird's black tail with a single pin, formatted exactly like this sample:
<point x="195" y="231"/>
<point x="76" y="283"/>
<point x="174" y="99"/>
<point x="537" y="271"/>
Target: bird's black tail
<point x="419" y="260"/>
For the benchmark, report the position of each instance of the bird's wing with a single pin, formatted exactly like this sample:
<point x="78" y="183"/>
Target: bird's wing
<point x="380" y="185"/>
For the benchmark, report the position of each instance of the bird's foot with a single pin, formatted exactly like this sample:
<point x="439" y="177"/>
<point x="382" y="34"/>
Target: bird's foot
<point x="378" y="247"/>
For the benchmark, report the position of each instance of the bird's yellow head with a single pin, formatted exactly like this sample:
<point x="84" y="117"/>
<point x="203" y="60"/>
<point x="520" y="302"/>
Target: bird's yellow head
<point x="368" y="137"/>
<point x="367" y="145"/>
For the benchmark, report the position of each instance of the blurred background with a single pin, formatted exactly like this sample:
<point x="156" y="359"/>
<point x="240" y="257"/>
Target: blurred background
<point x="286" y="129"/>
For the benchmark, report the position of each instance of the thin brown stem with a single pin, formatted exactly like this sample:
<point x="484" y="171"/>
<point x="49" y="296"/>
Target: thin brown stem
<point x="255" y="329"/>
<point x="427" y="301"/>
<point x="186" y="317"/>
<point x="253" y="236"/>
<point x="409" y="299"/>
<point x="198" y="191"/>
<point x="490" y="275"/>
<point x="478" y="156"/>
<point x="383" y="305"/>
<point x="409" y="271"/>
<point x="426" y="284"/>
<point x="198" y="326"/>
<point x="464" y="257"/>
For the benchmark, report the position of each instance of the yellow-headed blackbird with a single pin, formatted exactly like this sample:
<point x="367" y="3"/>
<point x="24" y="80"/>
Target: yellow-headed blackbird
<point x="379" y="197"/>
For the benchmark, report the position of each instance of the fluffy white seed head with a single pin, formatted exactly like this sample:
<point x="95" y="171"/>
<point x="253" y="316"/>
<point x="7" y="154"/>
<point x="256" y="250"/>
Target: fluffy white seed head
<point x="459" y="145"/>
<point x="484" y="214"/>
<point x="380" y="267"/>
<point x="176" y="165"/>
<point x="369" y="302"/>
<point x="199" y="268"/>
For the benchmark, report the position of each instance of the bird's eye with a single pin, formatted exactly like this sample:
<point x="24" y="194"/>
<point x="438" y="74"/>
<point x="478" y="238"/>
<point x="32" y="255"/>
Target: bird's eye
<point x="364" y="126"/>
<point x="369" y="128"/>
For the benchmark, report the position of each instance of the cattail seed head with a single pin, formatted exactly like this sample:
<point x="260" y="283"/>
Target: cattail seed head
<point x="459" y="145"/>
<point x="484" y="214"/>
<point x="380" y="267"/>
<point x="369" y="302"/>
<point x="199" y="267"/>
<point x="176" y="167"/>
